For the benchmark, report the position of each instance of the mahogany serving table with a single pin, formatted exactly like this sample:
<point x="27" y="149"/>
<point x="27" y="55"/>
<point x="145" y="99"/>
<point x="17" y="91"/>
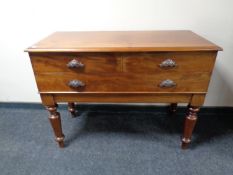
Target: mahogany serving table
<point x="123" y="67"/>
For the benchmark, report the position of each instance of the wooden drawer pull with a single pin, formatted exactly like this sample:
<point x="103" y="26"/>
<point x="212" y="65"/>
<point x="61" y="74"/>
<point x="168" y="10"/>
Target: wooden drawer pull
<point x="167" y="84"/>
<point x="168" y="63"/>
<point x="75" y="64"/>
<point x="76" y="83"/>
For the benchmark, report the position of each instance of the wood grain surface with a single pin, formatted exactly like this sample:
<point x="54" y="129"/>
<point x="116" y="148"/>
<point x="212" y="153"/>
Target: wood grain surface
<point x="123" y="41"/>
<point x="122" y="98"/>
<point x="143" y="62"/>
<point x="123" y="67"/>
<point x="124" y="82"/>
<point x="93" y="62"/>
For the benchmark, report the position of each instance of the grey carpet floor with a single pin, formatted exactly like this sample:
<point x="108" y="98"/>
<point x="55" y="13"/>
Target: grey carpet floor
<point x="114" y="140"/>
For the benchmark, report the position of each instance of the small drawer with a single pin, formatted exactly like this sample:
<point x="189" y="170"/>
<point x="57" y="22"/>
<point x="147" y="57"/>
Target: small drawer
<point x="123" y="82"/>
<point x="173" y="62"/>
<point x="75" y="62"/>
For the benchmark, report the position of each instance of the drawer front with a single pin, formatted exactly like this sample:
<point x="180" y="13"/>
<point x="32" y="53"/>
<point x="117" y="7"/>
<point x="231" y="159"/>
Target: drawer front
<point x="173" y="62"/>
<point x="123" y="82"/>
<point x="75" y="62"/>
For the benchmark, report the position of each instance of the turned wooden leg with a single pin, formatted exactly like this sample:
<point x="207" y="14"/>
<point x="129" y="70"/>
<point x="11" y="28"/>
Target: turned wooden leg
<point x="189" y="125"/>
<point x="173" y="108"/>
<point x="55" y="121"/>
<point x="71" y="109"/>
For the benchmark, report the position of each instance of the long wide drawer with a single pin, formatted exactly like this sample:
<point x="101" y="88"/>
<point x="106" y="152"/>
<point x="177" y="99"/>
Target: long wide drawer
<point x="123" y="82"/>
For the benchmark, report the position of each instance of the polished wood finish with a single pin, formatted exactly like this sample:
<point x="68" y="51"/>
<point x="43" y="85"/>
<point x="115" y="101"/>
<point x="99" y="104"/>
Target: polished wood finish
<point x="48" y="100"/>
<point x="190" y="122"/>
<point x="122" y="97"/>
<point x="72" y="109"/>
<point x="93" y="62"/>
<point x="133" y="41"/>
<point x="146" y="62"/>
<point x="123" y="67"/>
<point x="124" y="82"/>
<point x="173" y="108"/>
<point x="186" y="62"/>
<point x="197" y="100"/>
<point x="55" y="122"/>
<point x="130" y="72"/>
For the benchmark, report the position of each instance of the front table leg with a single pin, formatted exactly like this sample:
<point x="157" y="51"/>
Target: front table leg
<point x="189" y="125"/>
<point x="55" y="121"/>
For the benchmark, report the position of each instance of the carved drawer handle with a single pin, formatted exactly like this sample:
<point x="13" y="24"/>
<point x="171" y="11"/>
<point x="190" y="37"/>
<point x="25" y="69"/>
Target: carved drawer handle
<point x="76" y="83"/>
<point x="167" y="84"/>
<point x="168" y="63"/>
<point x="75" y="64"/>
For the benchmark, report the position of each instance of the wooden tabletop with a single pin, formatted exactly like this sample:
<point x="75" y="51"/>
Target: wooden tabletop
<point x="123" y="41"/>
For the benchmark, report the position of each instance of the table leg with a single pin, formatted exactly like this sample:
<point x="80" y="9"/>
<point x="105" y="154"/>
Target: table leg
<point x="55" y="121"/>
<point x="189" y="125"/>
<point x="173" y="108"/>
<point x="71" y="109"/>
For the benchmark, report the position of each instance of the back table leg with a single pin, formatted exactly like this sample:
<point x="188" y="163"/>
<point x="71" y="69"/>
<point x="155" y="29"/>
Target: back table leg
<point x="173" y="108"/>
<point x="71" y="109"/>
